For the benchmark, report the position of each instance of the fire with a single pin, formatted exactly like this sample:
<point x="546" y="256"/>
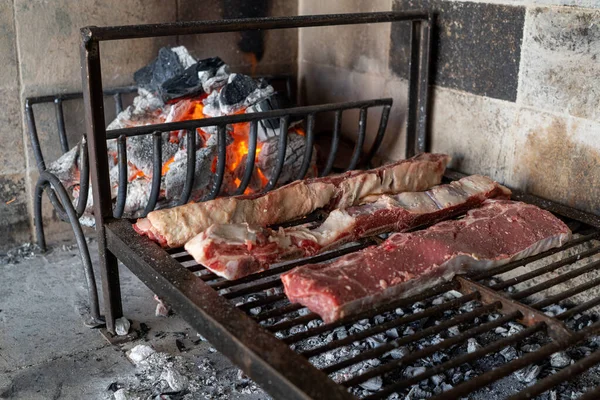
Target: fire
<point x="166" y="166"/>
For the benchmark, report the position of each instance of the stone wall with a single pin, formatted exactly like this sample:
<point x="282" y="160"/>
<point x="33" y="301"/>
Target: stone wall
<point x="39" y="45"/>
<point x="516" y="87"/>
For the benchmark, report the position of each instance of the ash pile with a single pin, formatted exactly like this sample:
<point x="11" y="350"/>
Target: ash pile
<point x="163" y="376"/>
<point x="177" y="87"/>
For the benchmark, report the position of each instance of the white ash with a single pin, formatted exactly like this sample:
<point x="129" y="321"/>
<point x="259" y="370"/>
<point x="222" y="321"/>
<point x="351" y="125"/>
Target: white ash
<point x="139" y="353"/>
<point x="509" y="353"/>
<point x="122" y="326"/>
<point x="185" y="58"/>
<point x="528" y="374"/>
<point x="21" y="253"/>
<point x="560" y="360"/>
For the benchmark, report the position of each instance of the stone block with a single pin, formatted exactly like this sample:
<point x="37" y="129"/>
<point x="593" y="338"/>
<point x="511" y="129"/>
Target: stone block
<point x="280" y="46"/>
<point x="8" y="72"/>
<point x="560" y="68"/>
<point x="12" y="157"/>
<point x="14" y="213"/>
<point x="477" y="132"/>
<point x="49" y="37"/>
<point x="558" y="158"/>
<point x="475" y="46"/>
<point x="361" y="48"/>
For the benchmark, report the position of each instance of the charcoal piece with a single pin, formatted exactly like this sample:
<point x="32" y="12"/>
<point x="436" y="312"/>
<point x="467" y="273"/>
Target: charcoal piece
<point x="191" y="81"/>
<point x="140" y="151"/>
<point x="166" y="66"/>
<point x="528" y="374"/>
<point x="237" y="89"/>
<point x="560" y="359"/>
<point x="174" y="179"/>
<point x="372" y="384"/>
<point x="294" y="155"/>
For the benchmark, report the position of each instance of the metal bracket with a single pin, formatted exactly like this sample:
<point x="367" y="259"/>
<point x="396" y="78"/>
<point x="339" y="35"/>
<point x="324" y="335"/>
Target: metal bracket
<point x="556" y="329"/>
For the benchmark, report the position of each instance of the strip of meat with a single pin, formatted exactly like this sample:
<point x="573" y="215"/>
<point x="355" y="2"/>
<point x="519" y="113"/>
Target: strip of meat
<point x="499" y="232"/>
<point x="175" y="226"/>
<point x="236" y="250"/>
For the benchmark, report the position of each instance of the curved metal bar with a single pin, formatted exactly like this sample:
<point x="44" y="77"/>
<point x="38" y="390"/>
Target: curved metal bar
<point x="335" y="142"/>
<point x="156" y="173"/>
<point x="123" y="176"/>
<point x="362" y="128"/>
<point x="60" y="122"/>
<point x="37" y="215"/>
<point x="46" y="179"/>
<point x="249" y="159"/>
<point x="84" y="178"/>
<point x="308" y="149"/>
<point x="191" y="167"/>
<point x="33" y="136"/>
<point x="118" y="102"/>
<point x="222" y="145"/>
<point x="284" y="123"/>
<point x="385" y="114"/>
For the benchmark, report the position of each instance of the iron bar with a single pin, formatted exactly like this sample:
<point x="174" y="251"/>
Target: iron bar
<point x="156" y="172"/>
<point x="579" y="309"/>
<point x="246" y="117"/>
<point x="308" y="146"/>
<point x="519" y="263"/>
<point x="261" y="302"/>
<point x="515" y="365"/>
<point x="430" y="350"/>
<point x="245" y="24"/>
<point x="284" y="123"/>
<point x="280" y="268"/>
<point x="123" y="176"/>
<point x="257" y="287"/>
<point x="278" y="312"/>
<point x="60" y="122"/>
<point x="420" y="334"/>
<point x="360" y="141"/>
<point x="335" y="142"/>
<point x="91" y="75"/>
<point x="558" y="377"/>
<point x="250" y="157"/>
<point x="84" y="178"/>
<point x="543" y="270"/>
<point x="566" y="294"/>
<point x="118" y="103"/>
<point x="432" y="311"/>
<point x="554" y="281"/>
<point x="385" y="114"/>
<point x="221" y="160"/>
<point x="370" y="313"/>
<point x="190" y="172"/>
<point x="457" y="361"/>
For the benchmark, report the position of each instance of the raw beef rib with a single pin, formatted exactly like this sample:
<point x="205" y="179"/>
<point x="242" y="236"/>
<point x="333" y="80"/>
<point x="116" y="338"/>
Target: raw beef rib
<point x="495" y="234"/>
<point x="236" y="250"/>
<point x="173" y="227"/>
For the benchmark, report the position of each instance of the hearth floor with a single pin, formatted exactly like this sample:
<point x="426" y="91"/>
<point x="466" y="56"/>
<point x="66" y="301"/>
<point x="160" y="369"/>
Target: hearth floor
<point x="47" y="353"/>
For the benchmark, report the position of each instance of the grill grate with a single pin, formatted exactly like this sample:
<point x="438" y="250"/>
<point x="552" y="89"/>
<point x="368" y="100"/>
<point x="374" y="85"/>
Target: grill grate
<point x="260" y="297"/>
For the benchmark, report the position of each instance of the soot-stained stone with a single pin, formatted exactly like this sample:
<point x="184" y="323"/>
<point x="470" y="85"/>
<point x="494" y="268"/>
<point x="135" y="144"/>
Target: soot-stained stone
<point x="189" y="82"/>
<point x="236" y="91"/>
<point x="475" y="47"/>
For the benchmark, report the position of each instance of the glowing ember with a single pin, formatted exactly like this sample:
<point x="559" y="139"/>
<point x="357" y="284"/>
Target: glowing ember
<point x="166" y="166"/>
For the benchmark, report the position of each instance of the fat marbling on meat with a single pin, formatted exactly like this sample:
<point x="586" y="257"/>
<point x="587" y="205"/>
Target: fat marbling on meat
<point x="236" y="250"/>
<point x="173" y="227"/>
<point x="499" y="232"/>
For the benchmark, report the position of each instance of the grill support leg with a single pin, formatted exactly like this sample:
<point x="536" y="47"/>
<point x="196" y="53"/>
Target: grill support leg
<point x="98" y="158"/>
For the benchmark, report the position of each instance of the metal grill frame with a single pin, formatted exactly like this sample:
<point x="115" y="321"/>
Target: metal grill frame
<point x="231" y="330"/>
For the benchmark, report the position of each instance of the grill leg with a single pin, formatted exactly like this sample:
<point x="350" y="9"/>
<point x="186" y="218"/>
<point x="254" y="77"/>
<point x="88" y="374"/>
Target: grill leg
<point x="111" y="288"/>
<point x="94" y="318"/>
<point x="37" y="215"/>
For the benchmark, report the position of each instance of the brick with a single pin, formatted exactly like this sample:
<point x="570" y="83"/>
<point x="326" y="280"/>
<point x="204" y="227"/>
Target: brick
<point x="560" y="68"/>
<point x="362" y="48"/>
<point x="475" y="46"/>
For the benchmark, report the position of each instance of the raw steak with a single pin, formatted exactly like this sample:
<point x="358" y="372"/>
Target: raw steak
<point x="236" y="250"/>
<point x="407" y="263"/>
<point x="175" y="226"/>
